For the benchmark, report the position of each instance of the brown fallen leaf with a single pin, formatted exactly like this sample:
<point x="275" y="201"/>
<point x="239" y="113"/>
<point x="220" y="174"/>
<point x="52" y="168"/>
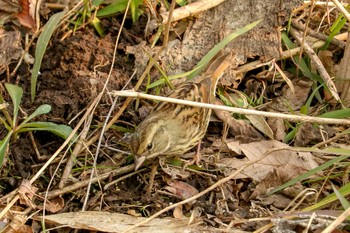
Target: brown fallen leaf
<point x="181" y="189"/>
<point x="116" y="222"/>
<point x="258" y="171"/>
<point x="26" y="193"/>
<point x="54" y="205"/>
<point x="24" y="16"/>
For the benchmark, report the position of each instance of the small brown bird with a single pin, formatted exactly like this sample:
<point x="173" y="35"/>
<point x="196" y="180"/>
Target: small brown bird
<point x="173" y="129"/>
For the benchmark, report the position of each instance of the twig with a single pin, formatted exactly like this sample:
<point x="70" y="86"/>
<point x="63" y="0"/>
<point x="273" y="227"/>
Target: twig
<point x="337" y="222"/>
<point x="317" y="35"/>
<point x="294" y="118"/>
<point x="84" y="183"/>
<point x="190" y="10"/>
<point x="316" y="60"/>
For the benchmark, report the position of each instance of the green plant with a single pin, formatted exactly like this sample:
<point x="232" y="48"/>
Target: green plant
<point x="15" y="127"/>
<point x="116" y="7"/>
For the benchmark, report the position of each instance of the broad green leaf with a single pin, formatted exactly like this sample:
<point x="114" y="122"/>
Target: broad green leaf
<point x="16" y="94"/>
<point x="40" y="49"/>
<point x="3" y="146"/>
<point x="113" y="9"/>
<point x="207" y="58"/>
<point x="62" y="131"/>
<point x="43" y="109"/>
<point x="337" y="114"/>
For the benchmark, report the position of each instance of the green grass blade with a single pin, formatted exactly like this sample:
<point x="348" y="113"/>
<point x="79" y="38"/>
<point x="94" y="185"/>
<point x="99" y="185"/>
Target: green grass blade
<point x="16" y="94"/>
<point x="345" y="204"/>
<point x="40" y="49"/>
<point x="337" y="114"/>
<point x="172" y="77"/>
<point x="344" y="191"/>
<point x="207" y="58"/>
<point x="113" y="9"/>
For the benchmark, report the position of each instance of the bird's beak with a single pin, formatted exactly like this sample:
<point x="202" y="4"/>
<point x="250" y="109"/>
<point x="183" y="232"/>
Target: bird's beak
<point x="138" y="161"/>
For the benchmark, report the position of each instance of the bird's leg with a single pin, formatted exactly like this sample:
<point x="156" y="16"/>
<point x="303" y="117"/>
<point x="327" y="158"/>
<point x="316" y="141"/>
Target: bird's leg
<point x="196" y="158"/>
<point x="152" y="175"/>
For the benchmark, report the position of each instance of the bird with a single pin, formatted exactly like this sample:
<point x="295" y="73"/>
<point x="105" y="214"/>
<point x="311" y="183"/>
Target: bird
<point x="173" y="129"/>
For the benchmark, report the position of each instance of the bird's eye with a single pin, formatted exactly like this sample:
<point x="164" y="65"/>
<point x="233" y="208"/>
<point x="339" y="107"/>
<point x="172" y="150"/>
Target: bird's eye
<point x="149" y="146"/>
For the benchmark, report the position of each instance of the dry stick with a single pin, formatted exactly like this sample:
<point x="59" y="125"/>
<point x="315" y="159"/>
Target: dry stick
<point x="341" y="218"/>
<point x="341" y="9"/>
<point x="324" y="74"/>
<point x="318" y="35"/>
<point x="319" y="3"/>
<point x="294" y="118"/>
<point x="83" y="183"/>
<point x="214" y="186"/>
<point x="190" y="10"/>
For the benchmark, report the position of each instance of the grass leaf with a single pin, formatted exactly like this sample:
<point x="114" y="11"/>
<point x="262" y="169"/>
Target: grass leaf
<point x="16" y="94"/>
<point x="40" y="49"/>
<point x="43" y="109"/>
<point x="62" y="131"/>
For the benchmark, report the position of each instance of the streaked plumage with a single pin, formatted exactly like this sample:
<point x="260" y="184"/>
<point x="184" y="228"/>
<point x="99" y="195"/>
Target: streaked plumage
<point x="173" y="129"/>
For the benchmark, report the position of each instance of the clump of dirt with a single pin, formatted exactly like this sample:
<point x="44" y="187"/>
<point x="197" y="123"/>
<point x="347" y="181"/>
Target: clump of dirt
<point x="74" y="72"/>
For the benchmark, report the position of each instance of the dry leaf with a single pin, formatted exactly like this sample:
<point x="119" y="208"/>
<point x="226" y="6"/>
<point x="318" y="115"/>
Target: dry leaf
<point x="24" y="17"/>
<point x="259" y="170"/>
<point x="11" y="47"/>
<point x="115" y="222"/>
<point x="26" y="192"/>
<point x="309" y="133"/>
<point x="55" y="205"/>
<point x="343" y="76"/>
<point x="181" y="189"/>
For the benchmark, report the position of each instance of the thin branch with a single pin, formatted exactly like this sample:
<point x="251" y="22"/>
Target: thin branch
<point x="294" y="118"/>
